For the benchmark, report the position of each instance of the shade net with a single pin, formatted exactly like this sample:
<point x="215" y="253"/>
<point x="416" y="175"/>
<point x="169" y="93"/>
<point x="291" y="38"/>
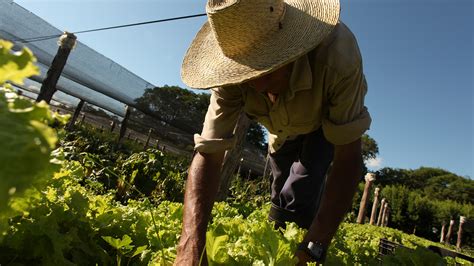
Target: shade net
<point x="88" y="75"/>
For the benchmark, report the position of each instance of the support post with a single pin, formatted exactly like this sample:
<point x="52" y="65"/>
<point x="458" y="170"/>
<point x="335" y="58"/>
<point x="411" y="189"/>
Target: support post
<point x="369" y="179"/>
<point x="157" y="144"/>
<point x="112" y="126"/>
<point x="374" y="206"/>
<point x="66" y="43"/>
<point x="71" y="124"/>
<point x="240" y="166"/>
<point x="148" y="139"/>
<point x="450" y="232"/>
<point x="123" y="126"/>
<point x="379" y="219"/>
<point x="83" y="119"/>
<point x="384" y="213"/>
<point x="462" y="220"/>
<point x="265" y="169"/>
<point x="387" y="214"/>
<point x="443" y="233"/>
<point x="231" y="159"/>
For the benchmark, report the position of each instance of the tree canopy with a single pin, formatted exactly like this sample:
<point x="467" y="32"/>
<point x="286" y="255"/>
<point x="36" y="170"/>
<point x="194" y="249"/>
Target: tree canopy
<point x="185" y="110"/>
<point x="435" y="183"/>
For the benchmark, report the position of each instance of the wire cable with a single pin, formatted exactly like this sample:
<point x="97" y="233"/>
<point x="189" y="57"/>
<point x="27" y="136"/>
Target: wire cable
<point x="43" y="38"/>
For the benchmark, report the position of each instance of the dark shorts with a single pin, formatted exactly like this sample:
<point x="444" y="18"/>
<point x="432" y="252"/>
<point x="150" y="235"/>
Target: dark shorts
<point x="299" y="173"/>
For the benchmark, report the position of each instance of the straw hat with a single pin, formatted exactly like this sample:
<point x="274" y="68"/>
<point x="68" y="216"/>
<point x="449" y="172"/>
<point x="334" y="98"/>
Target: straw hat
<point x="245" y="39"/>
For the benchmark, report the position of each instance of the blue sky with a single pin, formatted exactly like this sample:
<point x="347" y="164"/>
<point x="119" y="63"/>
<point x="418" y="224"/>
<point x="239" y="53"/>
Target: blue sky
<point x="418" y="61"/>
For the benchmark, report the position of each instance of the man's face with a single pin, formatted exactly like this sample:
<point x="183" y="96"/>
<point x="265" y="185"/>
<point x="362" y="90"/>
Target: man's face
<point x="275" y="82"/>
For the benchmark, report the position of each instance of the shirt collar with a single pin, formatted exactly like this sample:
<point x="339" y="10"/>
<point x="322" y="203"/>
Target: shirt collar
<point x="301" y="77"/>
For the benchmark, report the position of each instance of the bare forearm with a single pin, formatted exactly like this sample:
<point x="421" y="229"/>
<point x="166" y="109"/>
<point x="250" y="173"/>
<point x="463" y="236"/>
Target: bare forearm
<point x="338" y="195"/>
<point x="201" y="189"/>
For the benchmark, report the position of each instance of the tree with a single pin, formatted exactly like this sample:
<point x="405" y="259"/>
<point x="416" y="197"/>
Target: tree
<point x="185" y="110"/>
<point x="178" y="107"/>
<point x="370" y="148"/>
<point x="256" y="136"/>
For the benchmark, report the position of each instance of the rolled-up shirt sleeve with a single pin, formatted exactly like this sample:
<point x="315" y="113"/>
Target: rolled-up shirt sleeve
<point x="221" y="117"/>
<point x="347" y="118"/>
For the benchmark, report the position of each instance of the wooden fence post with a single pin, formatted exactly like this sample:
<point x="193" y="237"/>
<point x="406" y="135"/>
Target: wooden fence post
<point x="267" y="158"/>
<point x="450" y="232"/>
<point x="379" y="219"/>
<point x="157" y="144"/>
<point x="387" y="214"/>
<point x="123" y="126"/>
<point x="240" y="166"/>
<point x="231" y="159"/>
<point x="462" y="220"/>
<point x="369" y="178"/>
<point x="75" y="115"/>
<point x="374" y="206"/>
<point x="443" y="233"/>
<point x="112" y="126"/>
<point x="384" y="213"/>
<point x="66" y="43"/>
<point x="83" y="119"/>
<point x="148" y="139"/>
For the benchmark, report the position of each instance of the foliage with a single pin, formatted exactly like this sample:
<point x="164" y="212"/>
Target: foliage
<point x="413" y="212"/>
<point x="248" y="195"/>
<point x="370" y="148"/>
<point x="249" y="241"/>
<point x="16" y="66"/>
<point x="71" y="215"/>
<point x="132" y="175"/>
<point x="167" y="104"/>
<point x="26" y="140"/>
<point x="68" y="224"/>
<point x="438" y="184"/>
<point x="256" y="136"/>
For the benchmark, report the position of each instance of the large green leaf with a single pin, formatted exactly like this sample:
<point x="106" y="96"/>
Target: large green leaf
<point x="26" y="140"/>
<point x="16" y="66"/>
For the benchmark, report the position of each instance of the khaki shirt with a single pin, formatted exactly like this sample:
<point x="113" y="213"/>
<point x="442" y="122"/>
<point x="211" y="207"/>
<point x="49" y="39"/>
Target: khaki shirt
<point x="327" y="89"/>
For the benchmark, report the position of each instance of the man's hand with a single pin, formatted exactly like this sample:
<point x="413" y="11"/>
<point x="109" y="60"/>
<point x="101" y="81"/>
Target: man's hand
<point x="201" y="189"/>
<point x="303" y="258"/>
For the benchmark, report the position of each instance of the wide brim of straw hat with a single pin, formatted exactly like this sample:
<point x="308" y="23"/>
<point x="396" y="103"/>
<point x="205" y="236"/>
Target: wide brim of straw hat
<point x="304" y="25"/>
